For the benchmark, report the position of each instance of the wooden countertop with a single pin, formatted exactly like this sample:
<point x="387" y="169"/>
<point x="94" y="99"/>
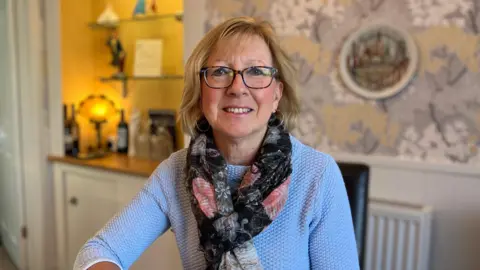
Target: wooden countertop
<point x="113" y="162"/>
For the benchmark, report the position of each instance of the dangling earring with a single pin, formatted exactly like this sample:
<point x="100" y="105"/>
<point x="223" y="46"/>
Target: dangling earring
<point x="274" y="120"/>
<point x="202" y="125"/>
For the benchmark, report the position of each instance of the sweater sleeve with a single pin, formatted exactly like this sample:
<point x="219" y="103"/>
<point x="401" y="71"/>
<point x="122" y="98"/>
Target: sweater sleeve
<point x="332" y="241"/>
<point x="130" y="232"/>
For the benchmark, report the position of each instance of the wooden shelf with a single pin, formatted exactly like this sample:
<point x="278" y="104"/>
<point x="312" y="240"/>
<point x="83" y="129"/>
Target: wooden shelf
<point x="113" y="162"/>
<point x="138" y="18"/>
<point x="124" y="80"/>
<point x="133" y="78"/>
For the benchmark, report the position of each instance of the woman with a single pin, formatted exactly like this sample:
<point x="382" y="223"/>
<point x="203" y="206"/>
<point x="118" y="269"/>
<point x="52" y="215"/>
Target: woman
<point x="245" y="194"/>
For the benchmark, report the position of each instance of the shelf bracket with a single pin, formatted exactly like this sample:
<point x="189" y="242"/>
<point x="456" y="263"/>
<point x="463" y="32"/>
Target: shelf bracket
<point x="123" y="82"/>
<point x="124" y="88"/>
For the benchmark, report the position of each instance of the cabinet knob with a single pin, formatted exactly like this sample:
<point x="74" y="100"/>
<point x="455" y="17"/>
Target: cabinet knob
<point x="73" y="201"/>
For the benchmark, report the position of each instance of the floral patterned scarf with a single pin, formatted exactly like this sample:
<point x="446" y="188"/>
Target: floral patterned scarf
<point x="228" y="222"/>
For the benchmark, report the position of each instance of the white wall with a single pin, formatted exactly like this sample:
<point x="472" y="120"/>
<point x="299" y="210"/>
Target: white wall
<point x="452" y="191"/>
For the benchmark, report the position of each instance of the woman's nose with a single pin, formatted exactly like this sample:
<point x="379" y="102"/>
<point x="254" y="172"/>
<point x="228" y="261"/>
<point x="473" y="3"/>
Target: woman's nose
<point x="238" y="87"/>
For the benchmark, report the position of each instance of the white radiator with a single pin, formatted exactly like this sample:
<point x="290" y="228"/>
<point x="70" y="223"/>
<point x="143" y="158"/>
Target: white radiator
<point x="398" y="236"/>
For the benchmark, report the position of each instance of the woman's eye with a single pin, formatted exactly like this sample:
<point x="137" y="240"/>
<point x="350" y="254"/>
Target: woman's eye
<point x="255" y="71"/>
<point x="220" y="72"/>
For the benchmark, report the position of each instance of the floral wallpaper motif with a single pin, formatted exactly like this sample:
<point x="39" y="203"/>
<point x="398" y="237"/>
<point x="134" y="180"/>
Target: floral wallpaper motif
<point x="435" y="119"/>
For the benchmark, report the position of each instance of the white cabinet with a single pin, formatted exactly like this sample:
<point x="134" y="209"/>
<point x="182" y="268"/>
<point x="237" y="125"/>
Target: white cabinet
<point x="85" y="199"/>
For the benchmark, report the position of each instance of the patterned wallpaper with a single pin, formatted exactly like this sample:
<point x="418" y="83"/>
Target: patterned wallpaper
<point x="435" y="119"/>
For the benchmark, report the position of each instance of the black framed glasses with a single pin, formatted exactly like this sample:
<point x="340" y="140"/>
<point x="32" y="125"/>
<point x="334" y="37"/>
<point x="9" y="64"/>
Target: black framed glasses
<point x="255" y="77"/>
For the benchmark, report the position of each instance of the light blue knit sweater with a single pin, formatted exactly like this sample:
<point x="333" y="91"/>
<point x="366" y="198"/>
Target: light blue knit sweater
<point x="314" y="230"/>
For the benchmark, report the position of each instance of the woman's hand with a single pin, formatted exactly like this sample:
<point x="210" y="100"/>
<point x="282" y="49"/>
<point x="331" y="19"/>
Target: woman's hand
<point x="104" y="266"/>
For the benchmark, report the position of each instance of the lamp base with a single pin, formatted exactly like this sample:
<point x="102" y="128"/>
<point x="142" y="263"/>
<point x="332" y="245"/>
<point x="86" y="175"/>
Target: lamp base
<point x="92" y="155"/>
<point x="98" y="129"/>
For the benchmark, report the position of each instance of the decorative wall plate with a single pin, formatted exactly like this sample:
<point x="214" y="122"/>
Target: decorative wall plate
<point x="378" y="61"/>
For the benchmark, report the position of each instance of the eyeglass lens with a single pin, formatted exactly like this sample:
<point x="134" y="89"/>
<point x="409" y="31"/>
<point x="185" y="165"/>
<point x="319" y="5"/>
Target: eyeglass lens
<point x="253" y="77"/>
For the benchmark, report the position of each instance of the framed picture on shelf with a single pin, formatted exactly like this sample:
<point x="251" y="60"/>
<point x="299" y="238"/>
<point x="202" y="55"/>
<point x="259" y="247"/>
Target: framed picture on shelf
<point x="378" y="61"/>
<point x="148" y="58"/>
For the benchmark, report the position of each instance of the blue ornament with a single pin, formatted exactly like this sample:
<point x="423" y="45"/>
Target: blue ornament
<point x="139" y="7"/>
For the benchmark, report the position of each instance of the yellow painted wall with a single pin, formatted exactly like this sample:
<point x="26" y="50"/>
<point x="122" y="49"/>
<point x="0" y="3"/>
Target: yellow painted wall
<point x="78" y="78"/>
<point x="85" y="58"/>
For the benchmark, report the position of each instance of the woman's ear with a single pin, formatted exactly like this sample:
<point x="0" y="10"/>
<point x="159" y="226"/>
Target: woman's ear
<point x="277" y="95"/>
<point x="279" y="91"/>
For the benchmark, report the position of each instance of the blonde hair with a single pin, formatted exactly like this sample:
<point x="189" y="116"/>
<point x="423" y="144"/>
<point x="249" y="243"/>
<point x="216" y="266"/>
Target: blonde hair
<point x="190" y="108"/>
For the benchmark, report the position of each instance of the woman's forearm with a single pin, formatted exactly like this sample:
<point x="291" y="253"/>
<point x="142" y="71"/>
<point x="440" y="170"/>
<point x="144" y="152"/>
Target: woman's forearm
<point x="104" y="266"/>
<point x="109" y="243"/>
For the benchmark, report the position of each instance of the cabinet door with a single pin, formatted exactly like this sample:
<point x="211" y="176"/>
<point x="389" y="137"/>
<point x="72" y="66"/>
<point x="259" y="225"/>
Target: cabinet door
<point x="11" y="193"/>
<point x="91" y="201"/>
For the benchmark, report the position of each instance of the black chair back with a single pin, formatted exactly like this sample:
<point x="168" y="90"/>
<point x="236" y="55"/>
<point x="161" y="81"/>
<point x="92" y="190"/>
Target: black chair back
<point x="356" y="178"/>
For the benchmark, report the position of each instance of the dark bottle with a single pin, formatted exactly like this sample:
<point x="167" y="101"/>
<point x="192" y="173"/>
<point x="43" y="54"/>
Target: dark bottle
<point x="75" y="132"/>
<point x="67" y="131"/>
<point x="122" y="134"/>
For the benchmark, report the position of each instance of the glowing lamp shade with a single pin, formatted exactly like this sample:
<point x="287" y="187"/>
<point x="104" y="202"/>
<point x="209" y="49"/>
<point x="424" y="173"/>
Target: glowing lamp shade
<point x="98" y="109"/>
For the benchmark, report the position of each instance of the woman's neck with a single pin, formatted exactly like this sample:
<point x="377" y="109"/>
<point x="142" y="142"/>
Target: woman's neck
<point x="239" y="151"/>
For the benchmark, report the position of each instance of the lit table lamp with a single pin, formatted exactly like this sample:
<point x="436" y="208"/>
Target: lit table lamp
<point x="97" y="109"/>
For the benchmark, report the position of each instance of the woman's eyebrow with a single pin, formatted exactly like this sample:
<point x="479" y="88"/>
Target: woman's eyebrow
<point x="256" y="62"/>
<point x="247" y="63"/>
<point x="220" y="62"/>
